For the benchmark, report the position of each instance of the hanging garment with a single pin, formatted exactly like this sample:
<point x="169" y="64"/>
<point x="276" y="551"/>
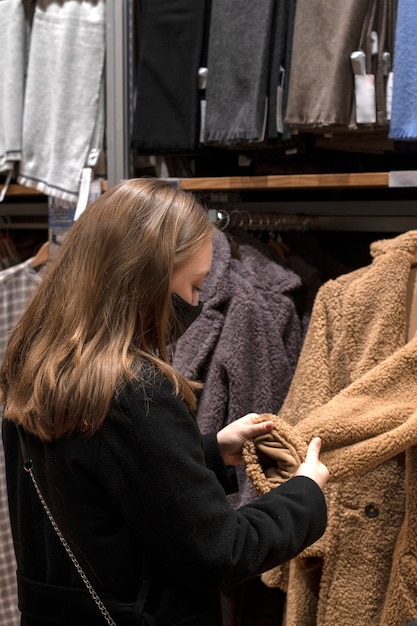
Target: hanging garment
<point x="63" y="118"/>
<point x="12" y="78"/>
<point x="381" y="61"/>
<point x="280" y="67"/>
<point x="305" y="244"/>
<point x="170" y="49"/>
<point x="16" y="286"/>
<point x="321" y="81"/>
<point x="9" y="612"/>
<point x="244" y="345"/>
<point x="356" y="386"/>
<point x="310" y="284"/>
<point x="238" y="69"/>
<point x="275" y="249"/>
<point x="403" y="124"/>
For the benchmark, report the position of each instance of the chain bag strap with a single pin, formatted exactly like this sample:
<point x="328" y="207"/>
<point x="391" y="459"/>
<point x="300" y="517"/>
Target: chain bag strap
<point x="138" y="608"/>
<point x="27" y="464"/>
<point x="28" y="468"/>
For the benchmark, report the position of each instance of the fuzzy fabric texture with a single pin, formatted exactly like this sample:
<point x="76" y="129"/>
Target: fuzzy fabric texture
<point x="245" y="344"/>
<point x="403" y="125"/>
<point x="238" y="61"/>
<point x="12" y="81"/>
<point x="321" y="85"/>
<point x="356" y="387"/>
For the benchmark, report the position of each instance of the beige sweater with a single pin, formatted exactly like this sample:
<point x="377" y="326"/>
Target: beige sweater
<point x="356" y="387"/>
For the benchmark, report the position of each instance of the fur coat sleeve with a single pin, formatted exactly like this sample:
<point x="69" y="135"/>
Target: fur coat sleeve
<point x="366" y="411"/>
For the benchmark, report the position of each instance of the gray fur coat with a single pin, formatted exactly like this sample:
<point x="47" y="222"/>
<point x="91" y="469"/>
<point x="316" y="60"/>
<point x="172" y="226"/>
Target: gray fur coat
<point x="245" y="344"/>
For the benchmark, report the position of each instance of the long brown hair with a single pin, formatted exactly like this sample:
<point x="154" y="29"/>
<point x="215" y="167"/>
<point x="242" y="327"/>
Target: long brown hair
<point x="103" y="308"/>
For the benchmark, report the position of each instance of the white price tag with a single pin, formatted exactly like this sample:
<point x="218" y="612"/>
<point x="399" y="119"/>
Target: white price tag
<point x="365" y="98"/>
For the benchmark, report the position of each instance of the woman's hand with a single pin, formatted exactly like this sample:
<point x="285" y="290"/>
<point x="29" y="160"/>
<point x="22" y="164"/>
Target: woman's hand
<point x="312" y="467"/>
<point x="232" y="437"/>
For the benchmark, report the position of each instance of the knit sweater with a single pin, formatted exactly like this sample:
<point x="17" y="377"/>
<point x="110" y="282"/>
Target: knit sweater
<point x="356" y="387"/>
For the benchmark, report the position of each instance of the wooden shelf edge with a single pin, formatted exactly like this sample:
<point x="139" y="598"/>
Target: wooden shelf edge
<point x="292" y="181"/>
<point x="236" y="183"/>
<point x="20" y="190"/>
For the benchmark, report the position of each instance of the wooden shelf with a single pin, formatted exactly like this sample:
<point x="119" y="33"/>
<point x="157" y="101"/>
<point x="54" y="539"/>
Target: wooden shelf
<point x="20" y="190"/>
<point x="293" y="181"/>
<point x="239" y="183"/>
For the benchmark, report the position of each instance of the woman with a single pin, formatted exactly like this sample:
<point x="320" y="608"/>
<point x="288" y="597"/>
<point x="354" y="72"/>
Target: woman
<point x="103" y="422"/>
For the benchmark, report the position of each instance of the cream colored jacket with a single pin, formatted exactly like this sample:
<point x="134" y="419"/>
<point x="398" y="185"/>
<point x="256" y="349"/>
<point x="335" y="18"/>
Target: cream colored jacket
<point x="356" y="387"/>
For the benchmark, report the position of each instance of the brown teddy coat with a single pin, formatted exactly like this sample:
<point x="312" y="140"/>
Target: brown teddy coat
<point x="355" y="386"/>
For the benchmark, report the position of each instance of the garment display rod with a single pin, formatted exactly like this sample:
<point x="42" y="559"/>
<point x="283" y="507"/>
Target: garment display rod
<point x="278" y="221"/>
<point x="337" y="215"/>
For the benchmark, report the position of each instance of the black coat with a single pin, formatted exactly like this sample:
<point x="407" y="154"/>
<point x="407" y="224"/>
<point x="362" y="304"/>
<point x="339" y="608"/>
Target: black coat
<point x="146" y="495"/>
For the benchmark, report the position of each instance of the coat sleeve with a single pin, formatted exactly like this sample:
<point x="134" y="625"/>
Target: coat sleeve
<point x="226" y="475"/>
<point x="370" y="421"/>
<point x="152" y="464"/>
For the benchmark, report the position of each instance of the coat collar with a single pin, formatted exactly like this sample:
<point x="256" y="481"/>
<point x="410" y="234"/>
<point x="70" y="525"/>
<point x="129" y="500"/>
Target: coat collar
<point x="406" y="242"/>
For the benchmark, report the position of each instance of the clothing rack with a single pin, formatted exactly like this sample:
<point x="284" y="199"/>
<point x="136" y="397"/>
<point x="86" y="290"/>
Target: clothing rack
<point x="269" y="222"/>
<point x="320" y="213"/>
<point x="349" y="216"/>
<point x="323" y="214"/>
